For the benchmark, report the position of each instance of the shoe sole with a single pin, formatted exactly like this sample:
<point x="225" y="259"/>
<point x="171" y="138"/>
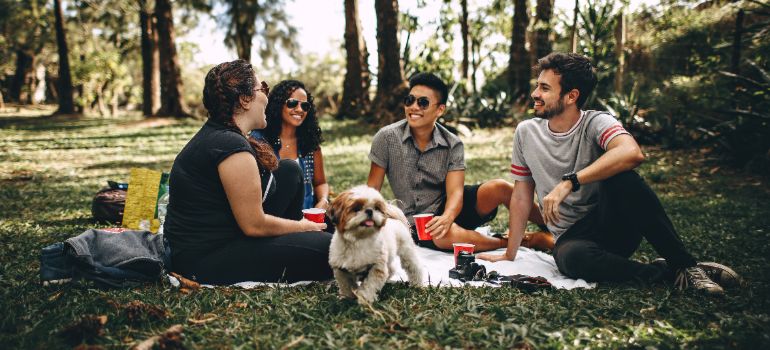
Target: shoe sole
<point x="727" y="277"/>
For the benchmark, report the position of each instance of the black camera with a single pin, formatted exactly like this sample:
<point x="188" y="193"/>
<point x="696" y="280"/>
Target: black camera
<point x="467" y="269"/>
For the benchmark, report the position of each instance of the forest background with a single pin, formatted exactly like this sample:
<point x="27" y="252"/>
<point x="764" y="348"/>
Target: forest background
<point x="682" y="73"/>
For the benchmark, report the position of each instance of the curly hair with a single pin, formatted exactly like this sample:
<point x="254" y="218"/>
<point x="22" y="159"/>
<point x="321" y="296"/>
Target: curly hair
<point x="309" y="136"/>
<point x="225" y="84"/>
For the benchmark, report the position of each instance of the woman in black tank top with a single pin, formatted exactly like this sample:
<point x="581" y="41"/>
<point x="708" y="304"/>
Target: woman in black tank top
<point x="235" y="212"/>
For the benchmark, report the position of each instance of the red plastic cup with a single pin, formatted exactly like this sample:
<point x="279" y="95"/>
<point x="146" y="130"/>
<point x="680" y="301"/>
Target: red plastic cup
<point x="314" y="214"/>
<point x="462" y="247"/>
<point x="420" y="220"/>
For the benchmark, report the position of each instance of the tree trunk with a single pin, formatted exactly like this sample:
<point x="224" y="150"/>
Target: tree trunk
<point x="355" y="94"/>
<point x="736" y="56"/>
<point x="518" y="63"/>
<point x="244" y="16"/>
<point x="620" y="42"/>
<point x="464" y="33"/>
<point x="543" y="14"/>
<point x="736" y="59"/>
<point x="150" y="61"/>
<point x="391" y="86"/>
<point x="66" y="102"/>
<point x="171" y="102"/>
<point x="573" y="34"/>
<point x="22" y="77"/>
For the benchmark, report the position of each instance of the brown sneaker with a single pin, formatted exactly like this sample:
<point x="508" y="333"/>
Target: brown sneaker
<point x="695" y="278"/>
<point x="721" y="274"/>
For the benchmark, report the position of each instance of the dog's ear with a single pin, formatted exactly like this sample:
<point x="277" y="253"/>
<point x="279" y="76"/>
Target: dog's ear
<point x="336" y="207"/>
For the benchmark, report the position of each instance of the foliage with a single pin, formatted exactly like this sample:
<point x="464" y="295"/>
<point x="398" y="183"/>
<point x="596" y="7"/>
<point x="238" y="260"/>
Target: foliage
<point x="483" y="101"/>
<point x="324" y="79"/>
<point x="686" y="74"/>
<point x="597" y="21"/>
<point x="266" y="20"/>
<point x="52" y="166"/>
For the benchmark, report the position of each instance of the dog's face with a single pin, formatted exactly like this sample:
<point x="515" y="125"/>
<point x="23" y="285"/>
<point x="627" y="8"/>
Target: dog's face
<point x="359" y="212"/>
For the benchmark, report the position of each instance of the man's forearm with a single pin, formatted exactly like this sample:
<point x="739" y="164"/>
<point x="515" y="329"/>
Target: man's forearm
<point x="620" y="157"/>
<point x="517" y="223"/>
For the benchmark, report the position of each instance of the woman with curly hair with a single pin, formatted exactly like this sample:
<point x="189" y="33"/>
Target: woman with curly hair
<point x="292" y="130"/>
<point x="218" y="233"/>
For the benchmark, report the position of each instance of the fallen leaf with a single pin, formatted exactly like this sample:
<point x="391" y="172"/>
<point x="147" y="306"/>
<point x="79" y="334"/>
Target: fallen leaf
<point x="87" y="328"/>
<point x="293" y="343"/>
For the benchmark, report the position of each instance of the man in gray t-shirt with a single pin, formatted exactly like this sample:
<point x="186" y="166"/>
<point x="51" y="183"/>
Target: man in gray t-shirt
<point x="580" y="164"/>
<point x="425" y="166"/>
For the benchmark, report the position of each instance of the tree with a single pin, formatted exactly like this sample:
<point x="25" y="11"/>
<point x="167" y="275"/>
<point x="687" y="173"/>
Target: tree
<point x="355" y="95"/>
<point x="573" y="29"/>
<point x="543" y="14"/>
<point x="25" y="32"/>
<point x="150" y="60"/>
<point x="66" y="103"/>
<point x="620" y="41"/>
<point x="464" y="34"/>
<point x="242" y="19"/>
<point x="391" y="86"/>
<point x="171" y="83"/>
<point x="240" y="33"/>
<point x="518" y="65"/>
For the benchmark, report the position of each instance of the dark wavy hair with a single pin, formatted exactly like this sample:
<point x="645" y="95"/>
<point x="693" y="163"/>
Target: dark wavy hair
<point x="309" y="136"/>
<point x="225" y="84"/>
<point x="575" y="70"/>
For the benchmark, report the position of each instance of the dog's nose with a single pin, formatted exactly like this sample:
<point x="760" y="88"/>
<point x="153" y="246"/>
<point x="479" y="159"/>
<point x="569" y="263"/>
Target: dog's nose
<point x="369" y="212"/>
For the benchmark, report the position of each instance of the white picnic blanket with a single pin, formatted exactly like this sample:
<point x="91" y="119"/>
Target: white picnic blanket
<point x="528" y="262"/>
<point x="437" y="264"/>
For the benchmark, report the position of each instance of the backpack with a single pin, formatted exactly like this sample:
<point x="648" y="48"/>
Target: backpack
<point x="108" y="205"/>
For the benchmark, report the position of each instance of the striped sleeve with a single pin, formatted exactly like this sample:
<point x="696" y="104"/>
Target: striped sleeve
<point x="606" y="128"/>
<point x="519" y="169"/>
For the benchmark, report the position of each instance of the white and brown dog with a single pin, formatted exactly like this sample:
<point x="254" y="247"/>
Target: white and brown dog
<point x="370" y="233"/>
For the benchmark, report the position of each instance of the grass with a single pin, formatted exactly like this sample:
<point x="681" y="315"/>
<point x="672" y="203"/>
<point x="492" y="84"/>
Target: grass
<point x="52" y="166"/>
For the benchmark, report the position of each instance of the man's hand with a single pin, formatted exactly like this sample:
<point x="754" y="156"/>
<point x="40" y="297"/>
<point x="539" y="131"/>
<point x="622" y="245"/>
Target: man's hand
<point x="439" y="226"/>
<point x="552" y="201"/>
<point x="496" y="257"/>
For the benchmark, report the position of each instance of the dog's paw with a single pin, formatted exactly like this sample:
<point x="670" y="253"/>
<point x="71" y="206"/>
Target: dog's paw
<point x="343" y="295"/>
<point x="365" y="298"/>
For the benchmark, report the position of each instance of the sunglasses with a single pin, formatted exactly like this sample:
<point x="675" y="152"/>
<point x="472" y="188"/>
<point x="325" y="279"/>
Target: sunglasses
<point x="264" y="88"/>
<point x="422" y="102"/>
<point x="292" y="103"/>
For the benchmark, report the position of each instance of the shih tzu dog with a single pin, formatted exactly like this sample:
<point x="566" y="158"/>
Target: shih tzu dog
<point x="369" y="234"/>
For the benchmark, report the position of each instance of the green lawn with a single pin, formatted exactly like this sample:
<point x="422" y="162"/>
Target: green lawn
<point x="52" y="166"/>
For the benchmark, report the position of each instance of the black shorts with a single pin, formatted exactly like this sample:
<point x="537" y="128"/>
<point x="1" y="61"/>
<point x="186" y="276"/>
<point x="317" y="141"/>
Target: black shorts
<point x="468" y="218"/>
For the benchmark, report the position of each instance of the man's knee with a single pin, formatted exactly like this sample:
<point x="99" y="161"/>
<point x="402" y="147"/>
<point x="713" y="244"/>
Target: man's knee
<point x="497" y="191"/>
<point x="575" y="258"/>
<point x="623" y="180"/>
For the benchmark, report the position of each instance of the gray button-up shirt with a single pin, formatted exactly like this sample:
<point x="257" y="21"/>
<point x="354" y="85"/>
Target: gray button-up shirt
<point x="418" y="178"/>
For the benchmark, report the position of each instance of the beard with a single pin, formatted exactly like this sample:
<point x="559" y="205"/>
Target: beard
<point x="548" y="113"/>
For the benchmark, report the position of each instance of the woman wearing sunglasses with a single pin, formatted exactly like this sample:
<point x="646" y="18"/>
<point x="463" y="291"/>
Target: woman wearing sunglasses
<point x="292" y="130"/>
<point x="217" y="232"/>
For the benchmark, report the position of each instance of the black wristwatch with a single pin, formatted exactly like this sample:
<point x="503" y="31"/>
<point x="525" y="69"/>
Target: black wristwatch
<point x="572" y="177"/>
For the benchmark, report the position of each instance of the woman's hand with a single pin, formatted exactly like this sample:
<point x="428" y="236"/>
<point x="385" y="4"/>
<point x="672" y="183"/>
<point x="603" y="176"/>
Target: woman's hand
<point x="308" y="225"/>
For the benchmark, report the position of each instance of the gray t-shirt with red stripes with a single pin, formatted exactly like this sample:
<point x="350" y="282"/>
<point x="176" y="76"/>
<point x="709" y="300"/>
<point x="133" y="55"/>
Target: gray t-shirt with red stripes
<point x="543" y="156"/>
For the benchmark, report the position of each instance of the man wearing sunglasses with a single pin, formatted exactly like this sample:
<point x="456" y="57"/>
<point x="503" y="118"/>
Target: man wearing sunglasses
<point x="425" y="166"/>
